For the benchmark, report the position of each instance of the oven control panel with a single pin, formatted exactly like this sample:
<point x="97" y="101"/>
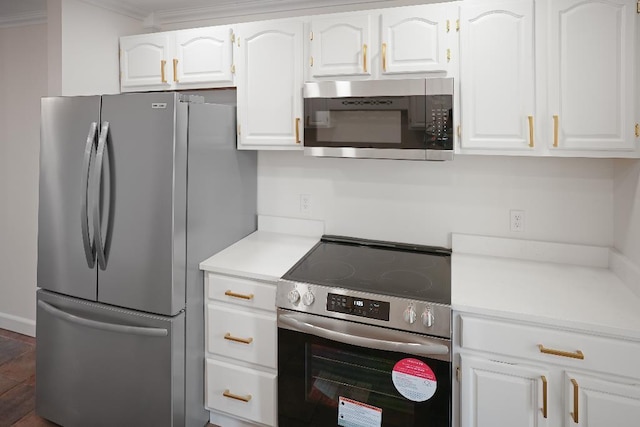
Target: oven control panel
<point x="358" y="306"/>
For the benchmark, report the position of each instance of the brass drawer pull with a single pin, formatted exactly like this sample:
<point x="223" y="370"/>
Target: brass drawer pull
<point x="555" y="130"/>
<point x="364" y="58"/>
<point x="297" y="125"/>
<point x="175" y="70"/>
<point x="230" y="337"/>
<point x="384" y="57"/>
<point x="230" y="395"/>
<point x="232" y="294"/>
<point x="571" y="354"/>
<point x="531" y="141"/>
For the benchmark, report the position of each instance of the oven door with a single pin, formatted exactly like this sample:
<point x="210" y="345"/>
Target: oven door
<point x="339" y="373"/>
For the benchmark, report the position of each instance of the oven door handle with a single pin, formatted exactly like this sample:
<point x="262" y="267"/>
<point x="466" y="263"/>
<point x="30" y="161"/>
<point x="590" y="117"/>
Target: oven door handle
<point x="420" y="346"/>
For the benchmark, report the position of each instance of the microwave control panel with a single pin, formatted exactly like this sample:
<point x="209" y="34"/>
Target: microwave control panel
<point x="439" y="110"/>
<point x="358" y="306"/>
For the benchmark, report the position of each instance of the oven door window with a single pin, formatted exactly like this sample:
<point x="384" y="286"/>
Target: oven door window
<point x="317" y="376"/>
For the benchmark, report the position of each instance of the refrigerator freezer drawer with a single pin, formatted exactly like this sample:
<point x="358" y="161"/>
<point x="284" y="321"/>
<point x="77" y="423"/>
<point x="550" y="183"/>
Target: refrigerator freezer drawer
<point x="99" y="365"/>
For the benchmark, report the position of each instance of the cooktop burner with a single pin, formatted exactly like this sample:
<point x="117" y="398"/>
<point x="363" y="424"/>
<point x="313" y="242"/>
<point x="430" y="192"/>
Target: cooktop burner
<point x="393" y="269"/>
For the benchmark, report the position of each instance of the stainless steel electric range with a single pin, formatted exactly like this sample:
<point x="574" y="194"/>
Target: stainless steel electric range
<point x="364" y="336"/>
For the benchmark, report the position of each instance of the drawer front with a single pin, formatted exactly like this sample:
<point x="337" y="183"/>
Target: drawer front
<point x="601" y="354"/>
<point x="241" y="335"/>
<point x="240" y="391"/>
<point x="242" y="292"/>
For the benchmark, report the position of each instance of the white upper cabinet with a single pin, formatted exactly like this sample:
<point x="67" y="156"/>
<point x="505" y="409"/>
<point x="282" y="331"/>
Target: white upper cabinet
<point x="497" y="81"/>
<point x="185" y="59"/>
<point x="400" y="42"/>
<point x="143" y="61"/>
<point x="550" y="78"/>
<point x="591" y="54"/>
<point x="269" y="79"/>
<point x="416" y="39"/>
<point x="341" y="45"/>
<point x="204" y="55"/>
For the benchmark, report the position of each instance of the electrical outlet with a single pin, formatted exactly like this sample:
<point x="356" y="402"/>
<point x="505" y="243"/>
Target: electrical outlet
<point x="305" y="204"/>
<point x="517" y="220"/>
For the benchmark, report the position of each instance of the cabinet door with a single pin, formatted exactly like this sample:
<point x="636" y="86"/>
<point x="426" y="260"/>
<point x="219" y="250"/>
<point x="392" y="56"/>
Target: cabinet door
<point x="269" y="81"/>
<point x="143" y="62"/>
<point x="497" y="85"/>
<point x="597" y="402"/>
<point x="415" y="39"/>
<point x="341" y="46"/>
<point x="591" y="61"/>
<point x="204" y="56"/>
<point x="495" y="394"/>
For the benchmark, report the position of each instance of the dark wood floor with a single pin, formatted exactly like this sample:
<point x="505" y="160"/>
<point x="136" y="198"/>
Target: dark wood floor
<point x="18" y="380"/>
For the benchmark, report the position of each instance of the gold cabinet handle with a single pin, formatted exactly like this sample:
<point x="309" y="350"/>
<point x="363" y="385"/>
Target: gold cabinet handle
<point x="297" y="124"/>
<point x="230" y="337"/>
<point x="571" y="354"/>
<point x="531" y="142"/>
<point x="162" y="76"/>
<point x="384" y="57"/>
<point x="230" y="395"/>
<point x="232" y="294"/>
<point x="175" y="70"/>
<point x="555" y="130"/>
<point x="574" y="414"/>
<point x="544" y="396"/>
<point x="364" y="58"/>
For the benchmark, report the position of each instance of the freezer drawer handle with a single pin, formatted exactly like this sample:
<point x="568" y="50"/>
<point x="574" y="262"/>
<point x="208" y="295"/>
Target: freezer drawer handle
<point x="110" y="327"/>
<point x="419" y="348"/>
<point x="230" y="395"/>
<point x="87" y="242"/>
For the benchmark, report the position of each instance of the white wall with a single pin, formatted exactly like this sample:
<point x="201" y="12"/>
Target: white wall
<point x="627" y="209"/>
<point x="23" y="80"/>
<point x="565" y="200"/>
<point x="90" y="47"/>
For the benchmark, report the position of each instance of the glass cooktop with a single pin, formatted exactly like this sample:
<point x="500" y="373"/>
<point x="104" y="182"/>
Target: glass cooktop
<point x="394" y="269"/>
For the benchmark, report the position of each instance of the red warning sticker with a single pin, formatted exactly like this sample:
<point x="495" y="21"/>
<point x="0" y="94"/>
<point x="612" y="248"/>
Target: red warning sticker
<point x="414" y="379"/>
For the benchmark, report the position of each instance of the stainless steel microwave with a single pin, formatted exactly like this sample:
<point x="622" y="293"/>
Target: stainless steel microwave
<point x="383" y="119"/>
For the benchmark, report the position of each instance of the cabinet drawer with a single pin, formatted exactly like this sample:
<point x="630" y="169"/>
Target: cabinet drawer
<point x="602" y="354"/>
<point x="246" y="336"/>
<point x="239" y="391"/>
<point x="246" y="293"/>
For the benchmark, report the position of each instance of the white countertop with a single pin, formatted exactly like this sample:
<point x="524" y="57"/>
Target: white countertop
<point x="263" y="255"/>
<point x="589" y="298"/>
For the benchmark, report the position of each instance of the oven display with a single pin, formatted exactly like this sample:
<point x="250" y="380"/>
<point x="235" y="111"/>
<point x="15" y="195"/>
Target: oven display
<point x="358" y="306"/>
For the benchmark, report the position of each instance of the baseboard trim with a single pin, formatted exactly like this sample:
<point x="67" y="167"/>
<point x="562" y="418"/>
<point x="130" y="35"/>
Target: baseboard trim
<point x="18" y="324"/>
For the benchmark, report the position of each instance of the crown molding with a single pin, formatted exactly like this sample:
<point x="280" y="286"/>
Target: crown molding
<point x="236" y="9"/>
<point x="24" y="18"/>
<point x="119" y="7"/>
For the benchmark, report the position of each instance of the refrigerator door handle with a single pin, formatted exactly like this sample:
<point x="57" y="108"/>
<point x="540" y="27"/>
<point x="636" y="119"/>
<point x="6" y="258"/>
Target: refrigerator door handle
<point x="97" y="222"/>
<point x="110" y="327"/>
<point x="87" y="242"/>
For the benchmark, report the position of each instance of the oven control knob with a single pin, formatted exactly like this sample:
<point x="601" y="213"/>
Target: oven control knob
<point x="293" y="296"/>
<point x="410" y="315"/>
<point x="308" y="298"/>
<point x="427" y="317"/>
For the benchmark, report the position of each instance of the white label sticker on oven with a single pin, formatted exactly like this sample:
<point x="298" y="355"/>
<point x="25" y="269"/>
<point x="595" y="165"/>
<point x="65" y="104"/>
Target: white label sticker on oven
<point x="352" y="413"/>
<point x="414" y="379"/>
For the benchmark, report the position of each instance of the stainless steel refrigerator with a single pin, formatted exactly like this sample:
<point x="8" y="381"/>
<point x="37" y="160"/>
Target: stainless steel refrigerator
<point x="135" y="191"/>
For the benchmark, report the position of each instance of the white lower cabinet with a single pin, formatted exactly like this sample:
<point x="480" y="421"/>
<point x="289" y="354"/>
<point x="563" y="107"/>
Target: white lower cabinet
<point x="240" y="344"/>
<point x="502" y="394"/>
<point x="512" y="373"/>
<point x="240" y="391"/>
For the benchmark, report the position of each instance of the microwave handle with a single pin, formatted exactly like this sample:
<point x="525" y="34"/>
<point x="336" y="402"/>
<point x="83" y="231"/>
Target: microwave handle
<point x="420" y="346"/>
